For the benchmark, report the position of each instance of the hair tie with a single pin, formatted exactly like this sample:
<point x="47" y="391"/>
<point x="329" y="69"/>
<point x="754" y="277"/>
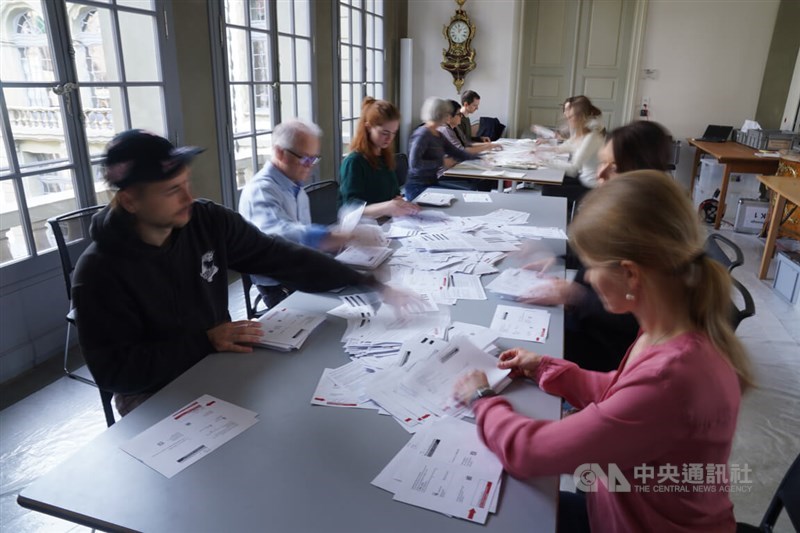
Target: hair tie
<point x="699" y="257"/>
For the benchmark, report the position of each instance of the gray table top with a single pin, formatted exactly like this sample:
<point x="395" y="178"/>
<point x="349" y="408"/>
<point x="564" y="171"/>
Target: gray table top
<point x="301" y="468"/>
<point x="544" y="175"/>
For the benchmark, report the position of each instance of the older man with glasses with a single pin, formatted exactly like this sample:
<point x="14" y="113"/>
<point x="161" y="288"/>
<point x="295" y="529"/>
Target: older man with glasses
<point x="276" y="203"/>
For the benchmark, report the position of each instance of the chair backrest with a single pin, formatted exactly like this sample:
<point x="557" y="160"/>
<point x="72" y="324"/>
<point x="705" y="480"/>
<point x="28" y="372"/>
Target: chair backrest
<point x="724" y="251"/>
<point x="251" y="305"/>
<point x="786" y="497"/>
<point x="401" y="168"/>
<point x="323" y="199"/>
<point x="71" y="232"/>
<point x="491" y="127"/>
<point x="749" y="309"/>
<point x="675" y="156"/>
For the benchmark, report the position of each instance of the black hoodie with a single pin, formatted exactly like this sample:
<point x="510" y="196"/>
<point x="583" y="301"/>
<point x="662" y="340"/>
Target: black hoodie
<point x="143" y="310"/>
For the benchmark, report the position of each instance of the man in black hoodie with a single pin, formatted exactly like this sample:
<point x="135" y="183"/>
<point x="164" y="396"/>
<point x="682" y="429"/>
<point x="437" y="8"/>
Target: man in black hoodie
<point x="151" y="291"/>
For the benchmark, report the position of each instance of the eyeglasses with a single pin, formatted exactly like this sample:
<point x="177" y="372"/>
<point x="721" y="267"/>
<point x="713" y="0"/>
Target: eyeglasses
<point x="387" y="133"/>
<point x="305" y="160"/>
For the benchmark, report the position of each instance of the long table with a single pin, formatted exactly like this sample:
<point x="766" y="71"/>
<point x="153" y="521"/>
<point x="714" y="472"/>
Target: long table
<point x="784" y="188"/>
<point x="542" y="175"/>
<point x="301" y="468"/>
<point x="734" y="157"/>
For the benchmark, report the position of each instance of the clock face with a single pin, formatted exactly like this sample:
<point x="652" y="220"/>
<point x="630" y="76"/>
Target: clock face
<point x="458" y="31"/>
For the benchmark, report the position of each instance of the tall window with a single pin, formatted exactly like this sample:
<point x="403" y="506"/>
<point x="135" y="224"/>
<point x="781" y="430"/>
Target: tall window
<point x="361" y="59"/>
<point x="58" y="111"/>
<point x="267" y="77"/>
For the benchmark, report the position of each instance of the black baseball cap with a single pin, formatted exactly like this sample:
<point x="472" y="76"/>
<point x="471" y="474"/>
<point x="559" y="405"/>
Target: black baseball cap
<point x="140" y="156"/>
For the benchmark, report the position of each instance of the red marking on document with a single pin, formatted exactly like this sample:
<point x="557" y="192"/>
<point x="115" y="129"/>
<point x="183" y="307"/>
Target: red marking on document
<point x="471" y="514"/>
<point x="485" y="495"/>
<point x="212" y="402"/>
<point x="423" y="417"/>
<point x="342" y="404"/>
<point x="407" y="420"/>
<point x="319" y="399"/>
<point x="186" y="410"/>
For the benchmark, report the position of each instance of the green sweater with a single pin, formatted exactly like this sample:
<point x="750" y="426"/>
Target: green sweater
<point x="359" y="181"/>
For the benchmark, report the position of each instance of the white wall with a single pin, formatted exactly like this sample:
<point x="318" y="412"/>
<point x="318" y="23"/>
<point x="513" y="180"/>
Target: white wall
<point x="495" y="38"/>
<point x="710" y="56"/>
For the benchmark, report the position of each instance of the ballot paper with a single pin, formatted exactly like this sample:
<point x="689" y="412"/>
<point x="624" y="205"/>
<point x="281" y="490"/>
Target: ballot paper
<point x="477" y="197"/>
<point x="363" y="305"/>
<point x="502" y="217"/>
<point x="517" y="282"/>
<point x="521" y="323"/>
<point x="189" y="434"/>
<point x="364" y="257"/>
<point x="541" y="131"/>
<point x="331" y="394"/>
<point x="445" y="468"/>
<point x="537" y="232"/>
<point x="350" y="216"/>
<point x="434" y="198"/>
<point x="286" y="329"/>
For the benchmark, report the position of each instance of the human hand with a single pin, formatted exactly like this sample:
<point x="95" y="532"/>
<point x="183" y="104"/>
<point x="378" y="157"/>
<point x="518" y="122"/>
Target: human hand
<point x="468" y="384"/>
<point x="399" y="207"/>
<point x="522" y="363"/>
<point x="541" y="266"/>
<point x="235" y="336"/>
<point x="403" y="302"/>
<point x="554" y="291"/>
<point x="485" y="140"/>
<point x="368" y="235"/>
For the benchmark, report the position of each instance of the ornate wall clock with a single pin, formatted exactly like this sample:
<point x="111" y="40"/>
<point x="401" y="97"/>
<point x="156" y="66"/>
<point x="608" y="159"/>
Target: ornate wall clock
<point x="459" y="57"/>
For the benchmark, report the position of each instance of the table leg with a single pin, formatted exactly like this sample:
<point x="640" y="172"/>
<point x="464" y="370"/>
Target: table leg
<point x="500" y="185"/>
<point x="772" y="234"/>
<point x="726" y="176"/>
<point x="513" y="186"/>
<point x="697" y="153"/>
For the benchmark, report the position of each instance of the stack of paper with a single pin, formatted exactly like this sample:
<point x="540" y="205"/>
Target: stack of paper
<point x="517" y="282"/>
<point x="502" y="217"/>
<point x="434" y="198"/>
<point x="537" y="232"/>
<point x="521" y="323"/>
<point x="364" y="257"/>
<point x="477" y="197"/>
<point x="445" y="468"/>
<point x="189" y="434"/>
<point x="287" y="329"/>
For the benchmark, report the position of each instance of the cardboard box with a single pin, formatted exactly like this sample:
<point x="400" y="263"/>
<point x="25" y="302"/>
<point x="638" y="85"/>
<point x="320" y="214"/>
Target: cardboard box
<point x="751" y="214"/>
<point x="787" y="276"/>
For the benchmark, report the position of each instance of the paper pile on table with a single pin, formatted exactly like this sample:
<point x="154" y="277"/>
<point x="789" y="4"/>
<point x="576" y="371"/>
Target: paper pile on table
<point x="286" y="329"/>
<point x="434" y="198"/>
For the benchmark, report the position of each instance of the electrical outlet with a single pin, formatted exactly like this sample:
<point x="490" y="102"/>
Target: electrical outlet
<point x="645" y="101"/>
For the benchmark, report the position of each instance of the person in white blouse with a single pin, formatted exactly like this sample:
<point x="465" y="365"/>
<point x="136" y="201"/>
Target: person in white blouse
<point x="587" y="136"/>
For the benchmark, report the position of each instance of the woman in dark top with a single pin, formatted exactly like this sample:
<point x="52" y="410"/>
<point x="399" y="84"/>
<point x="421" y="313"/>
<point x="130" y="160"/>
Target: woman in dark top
<point x="428" y="148"/>
<point x="367" y="174"/>
<point x="594" y="338"/>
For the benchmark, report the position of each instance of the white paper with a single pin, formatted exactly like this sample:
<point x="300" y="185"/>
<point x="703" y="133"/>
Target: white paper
<point x="434" y="198"/>
<point x="367" y="257"/>
<point x="287" y="329"/>
<point x="330" y="394"/>
<point x="350" y="216"/>
<point x="189" y="434"/>
<point x="517" y="282"/>
<point x="521" y="323"/>
<point x="477" y="197"/>
<point x="537" y="232"/>
<point x="545" y="133"/>
<point x="363" y="305"/>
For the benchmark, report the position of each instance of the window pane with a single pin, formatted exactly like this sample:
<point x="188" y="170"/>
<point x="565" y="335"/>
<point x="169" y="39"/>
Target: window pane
<point x="264" y="115"/>
<point x="138" y="4"/>
<point x="48" y="195"/>
<point x="284" y="10"/>
<point x="379" y="91"/>
<point x="370" y="65"/>
<point x="263" y="149"/>
<point x="345" y="63"/>
<point x="370" y="31"/>
<point x="303" y="59"/>
<point x="346" y="112"/>
<point x="302" y="18"/>
<point x="139" y="47"/>
<point x="37" y="130"/>
<point x="101" y="189"/>
<point x="93" y="43"/>
<point x="238" y="69"/>
<point x="344" y="24"/>
<point x="103" y="116"/>
<point x="240" y="108"/>
<point x="261" y="57"/>
<point x="12" y="238"/>
<point x="358" y="67"/>
<point x="288" y="109"/>
<point x="5" y="163"/>
<point x="259" y="16"/>
<point x="234" y="12"/>
<point x="26" y="49"/>
<point x="304" y="103"/>
<point x="370" y="6"/>
<point x="356" y="3"/>
<point x="379" y="7"/>
<point x="147" y="109"/>
<point x="243" y="155"/>
<point x="356" y="26"/>
<point x="286" y="58"/>
<point x="379" y="33"/>
<point x="347" y="135"/>
<point x="379" y="66"/>
<point x="357" y="96"/>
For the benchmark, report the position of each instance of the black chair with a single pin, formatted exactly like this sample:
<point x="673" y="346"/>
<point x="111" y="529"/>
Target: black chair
<point x="786" y="497"/>
<point x="323" y="199"/>
<point x="251" y="305"/>
<point x="71" y="232"/>
<point x="724" y="251"/>
<point x="490" y="127"/>
<point x="749" y="309"/>
<point x="401" y="168"/>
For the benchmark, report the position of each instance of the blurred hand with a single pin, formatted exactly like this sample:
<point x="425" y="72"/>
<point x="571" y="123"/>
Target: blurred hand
<point x="399" y="207"/>
<point x="554" y="291"/>
<point x="522" y="363"/>
<point x="235" y="336"/>
<point x="541" y="266"/>
<point x="403" y="302"/>
<point x="485" y="140"/>
<point x="467" y="384"/>
<point x="368" y="235"/>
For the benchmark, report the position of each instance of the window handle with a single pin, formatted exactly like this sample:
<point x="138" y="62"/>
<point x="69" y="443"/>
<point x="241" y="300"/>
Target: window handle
<point x="64" y="90"/>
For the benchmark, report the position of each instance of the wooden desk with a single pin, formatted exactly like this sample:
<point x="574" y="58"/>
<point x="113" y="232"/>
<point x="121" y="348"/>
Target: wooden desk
<point x="785" y="188"/>
<point x="734" y="157"/>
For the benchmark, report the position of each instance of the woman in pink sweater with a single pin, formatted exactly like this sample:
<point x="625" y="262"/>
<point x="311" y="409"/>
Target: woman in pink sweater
<point x="667" y="416"/>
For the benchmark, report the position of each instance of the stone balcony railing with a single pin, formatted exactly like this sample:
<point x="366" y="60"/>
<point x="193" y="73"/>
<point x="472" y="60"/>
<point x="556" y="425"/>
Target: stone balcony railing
<point x="29" y="122"/>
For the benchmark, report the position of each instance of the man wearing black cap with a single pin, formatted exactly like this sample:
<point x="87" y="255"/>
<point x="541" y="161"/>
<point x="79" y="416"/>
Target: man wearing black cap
<point x="151" y="291"/>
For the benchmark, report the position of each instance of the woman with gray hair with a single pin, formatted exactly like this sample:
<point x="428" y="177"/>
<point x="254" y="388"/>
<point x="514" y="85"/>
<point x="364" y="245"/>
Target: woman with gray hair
<point x="428" y="148"/>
